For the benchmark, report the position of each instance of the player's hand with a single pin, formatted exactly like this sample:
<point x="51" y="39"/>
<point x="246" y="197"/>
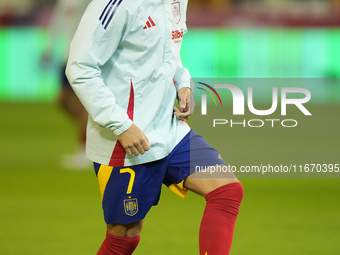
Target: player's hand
<point x="134" y="141"/>
<point x="186" y="103"/>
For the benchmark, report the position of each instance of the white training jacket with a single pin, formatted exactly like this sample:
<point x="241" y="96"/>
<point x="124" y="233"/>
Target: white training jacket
<point x="125" y="67"/>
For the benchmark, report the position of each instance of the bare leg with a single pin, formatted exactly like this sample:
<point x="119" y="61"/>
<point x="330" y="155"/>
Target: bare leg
<point x="125" y="230"/>
<point x="73" y="107"/>
<point x="71" y="104"/>
<point x="202" y="183"/>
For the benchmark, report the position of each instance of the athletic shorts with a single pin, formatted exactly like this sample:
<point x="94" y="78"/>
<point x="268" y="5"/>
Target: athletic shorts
<point x="128" y="193"/>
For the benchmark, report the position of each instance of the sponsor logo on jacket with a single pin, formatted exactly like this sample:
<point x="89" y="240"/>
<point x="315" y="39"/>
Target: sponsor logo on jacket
<point x="177" y="35"/>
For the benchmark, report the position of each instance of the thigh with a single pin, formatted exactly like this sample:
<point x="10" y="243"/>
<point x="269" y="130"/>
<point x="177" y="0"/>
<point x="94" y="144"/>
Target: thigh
<point x="203" y="183"/>
<point x="193" y="153"/>
<point x="128" y="193"/>
<point x="128" y="230"/>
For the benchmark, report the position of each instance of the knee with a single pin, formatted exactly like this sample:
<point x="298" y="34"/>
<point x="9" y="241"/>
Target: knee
<point x="233" y="190"/>
<point x="203" y="183"/>
<point x="237" y="191"/>
<point x="227" y="197"/>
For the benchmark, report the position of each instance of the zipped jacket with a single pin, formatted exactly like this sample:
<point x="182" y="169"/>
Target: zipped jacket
<point x="125" y="67"/>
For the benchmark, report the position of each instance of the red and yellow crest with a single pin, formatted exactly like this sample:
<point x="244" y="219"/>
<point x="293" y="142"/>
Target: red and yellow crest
<point x="131" y="206"/>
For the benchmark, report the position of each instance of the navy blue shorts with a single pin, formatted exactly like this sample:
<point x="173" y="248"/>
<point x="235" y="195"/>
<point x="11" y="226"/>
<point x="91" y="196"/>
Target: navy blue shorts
<point x="128" y="193"/>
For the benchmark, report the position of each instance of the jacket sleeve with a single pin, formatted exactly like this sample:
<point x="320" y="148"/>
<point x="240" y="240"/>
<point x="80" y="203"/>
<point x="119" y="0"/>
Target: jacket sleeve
<point x="182" y="78"/>
<point x="94" y="43"/>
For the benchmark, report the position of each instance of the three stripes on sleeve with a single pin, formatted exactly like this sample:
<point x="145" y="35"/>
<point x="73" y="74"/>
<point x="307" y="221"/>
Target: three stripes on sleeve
<point x="109" y="12"/>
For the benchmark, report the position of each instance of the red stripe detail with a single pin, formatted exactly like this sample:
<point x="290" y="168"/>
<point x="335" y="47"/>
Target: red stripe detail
<point x="152" y="23"/>
<point x="118" y="154"/>
<point x="131" y="103"/>
<point x="148" y="24"/>
<point x="145" y="27"/>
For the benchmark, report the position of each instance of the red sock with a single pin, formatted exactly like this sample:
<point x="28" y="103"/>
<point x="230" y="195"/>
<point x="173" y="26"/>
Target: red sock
<point x="116" y="245"/>
<point x="217" y="226"/>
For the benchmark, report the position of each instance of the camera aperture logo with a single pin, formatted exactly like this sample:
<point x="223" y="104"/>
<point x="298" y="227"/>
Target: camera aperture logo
<point x="204" y="97"/>
<point x="239" y="103"/>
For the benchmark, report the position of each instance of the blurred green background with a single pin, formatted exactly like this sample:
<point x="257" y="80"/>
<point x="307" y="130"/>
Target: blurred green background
<point x="46" y="210"/>
<point x="208" y="53"/>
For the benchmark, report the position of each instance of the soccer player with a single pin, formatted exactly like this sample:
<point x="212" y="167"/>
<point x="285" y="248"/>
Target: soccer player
<point x="66" y="17"/>
<point x="125" y="67"/>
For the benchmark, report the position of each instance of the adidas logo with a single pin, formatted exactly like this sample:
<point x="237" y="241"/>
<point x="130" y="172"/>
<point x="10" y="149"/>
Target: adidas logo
<point x="149" y="23"/>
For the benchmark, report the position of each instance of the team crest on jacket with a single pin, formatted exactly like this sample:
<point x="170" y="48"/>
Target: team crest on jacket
<point x="176" y="12"/>
<point x="131" y="206"/>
